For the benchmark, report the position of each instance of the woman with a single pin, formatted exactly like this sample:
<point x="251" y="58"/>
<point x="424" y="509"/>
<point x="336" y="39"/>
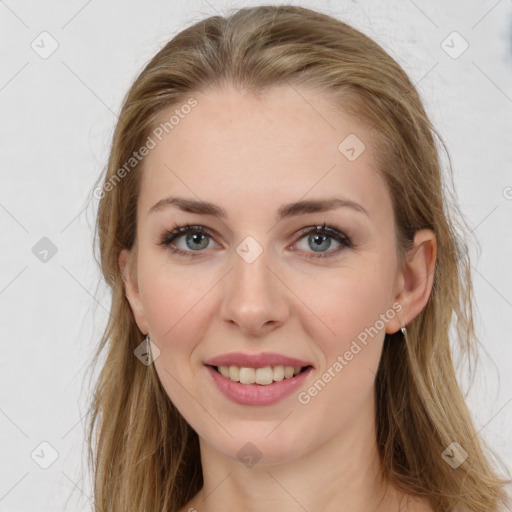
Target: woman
<point x="284" y="271"/>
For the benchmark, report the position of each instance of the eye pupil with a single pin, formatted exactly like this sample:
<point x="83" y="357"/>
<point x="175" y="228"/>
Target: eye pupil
<point x="318" y="239"/>
<point x="197" y="238"/>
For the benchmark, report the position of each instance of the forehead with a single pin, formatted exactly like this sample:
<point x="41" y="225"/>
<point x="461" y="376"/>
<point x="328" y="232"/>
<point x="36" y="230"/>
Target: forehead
<point x="286" y="144"/>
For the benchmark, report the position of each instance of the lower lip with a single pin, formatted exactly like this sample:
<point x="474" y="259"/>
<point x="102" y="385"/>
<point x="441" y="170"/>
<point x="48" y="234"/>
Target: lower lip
<point x="256" y="394"/>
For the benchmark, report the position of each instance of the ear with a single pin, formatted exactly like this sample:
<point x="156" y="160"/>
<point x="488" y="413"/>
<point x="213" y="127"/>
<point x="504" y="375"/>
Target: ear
<point x="131" y="289"/>
<point x="415" y="280"/>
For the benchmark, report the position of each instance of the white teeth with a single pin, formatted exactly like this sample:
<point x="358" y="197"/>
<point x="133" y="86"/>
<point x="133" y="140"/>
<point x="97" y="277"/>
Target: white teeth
<point x="278" y="373"/>
<point x="247" y="376"/>
<point x="262" y="376"/>
<point x="224" y="370"/>
<point x="234" y="373"/>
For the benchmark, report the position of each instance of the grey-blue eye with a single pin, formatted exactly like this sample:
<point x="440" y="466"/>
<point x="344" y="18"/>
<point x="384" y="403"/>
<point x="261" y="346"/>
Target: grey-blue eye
<point x="320" y="237"/>
<point x="197" y="239"/>
<point x="194" y="236"/>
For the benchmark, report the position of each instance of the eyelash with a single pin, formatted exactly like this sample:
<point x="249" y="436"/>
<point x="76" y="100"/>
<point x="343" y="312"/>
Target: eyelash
<point x="178" y="230"/>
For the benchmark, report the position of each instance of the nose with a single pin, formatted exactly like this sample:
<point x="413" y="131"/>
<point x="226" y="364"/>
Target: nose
<point x="254" y="297"/>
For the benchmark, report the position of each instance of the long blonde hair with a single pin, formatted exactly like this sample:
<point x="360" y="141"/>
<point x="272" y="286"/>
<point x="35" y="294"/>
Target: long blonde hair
<point x="143" y="454"/>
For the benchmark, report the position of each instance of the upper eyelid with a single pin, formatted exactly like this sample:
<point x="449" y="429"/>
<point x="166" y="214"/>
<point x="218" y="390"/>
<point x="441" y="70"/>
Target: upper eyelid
<point x="339" y="235"/>
<point x="187" y="228"/>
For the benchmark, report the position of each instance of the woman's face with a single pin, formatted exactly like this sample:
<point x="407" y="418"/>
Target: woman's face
<point x="257" y="281"/>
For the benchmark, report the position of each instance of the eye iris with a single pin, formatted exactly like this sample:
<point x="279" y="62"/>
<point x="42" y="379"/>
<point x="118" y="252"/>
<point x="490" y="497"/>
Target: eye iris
<point x="196" y="237"/>
<point x="318" y="239"/>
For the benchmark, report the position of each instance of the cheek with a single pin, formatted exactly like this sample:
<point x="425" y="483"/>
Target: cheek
<point x="175" y="306"/>
<point x="344" y="306"/>
<point x="351" y="348"/>
<point x="172" y="299"/>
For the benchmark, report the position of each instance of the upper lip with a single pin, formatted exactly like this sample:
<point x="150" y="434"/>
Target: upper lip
<point x="255" y="360"/>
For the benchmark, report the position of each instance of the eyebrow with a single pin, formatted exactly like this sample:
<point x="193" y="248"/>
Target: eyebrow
<point x="285" y="211"/>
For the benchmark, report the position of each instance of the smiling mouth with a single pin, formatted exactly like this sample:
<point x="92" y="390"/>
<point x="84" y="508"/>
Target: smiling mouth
<point x="263" y="376"/>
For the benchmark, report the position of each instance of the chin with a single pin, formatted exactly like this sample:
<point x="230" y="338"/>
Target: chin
<point x="261" y="449"/>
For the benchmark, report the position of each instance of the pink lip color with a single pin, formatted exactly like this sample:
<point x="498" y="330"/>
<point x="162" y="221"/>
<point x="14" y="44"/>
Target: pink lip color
<point x="256" y="394"/>
<point x="255" y="360"/>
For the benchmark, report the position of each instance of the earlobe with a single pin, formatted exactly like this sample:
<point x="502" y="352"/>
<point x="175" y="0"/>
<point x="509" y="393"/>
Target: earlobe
<point x="132" y="289"/>
<point x="417" y="278"/>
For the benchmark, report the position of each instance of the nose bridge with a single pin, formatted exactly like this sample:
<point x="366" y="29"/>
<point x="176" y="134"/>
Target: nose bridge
<point x="253" y="297"/>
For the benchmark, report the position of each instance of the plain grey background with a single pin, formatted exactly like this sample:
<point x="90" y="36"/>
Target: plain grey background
<point x="65" y="67"/>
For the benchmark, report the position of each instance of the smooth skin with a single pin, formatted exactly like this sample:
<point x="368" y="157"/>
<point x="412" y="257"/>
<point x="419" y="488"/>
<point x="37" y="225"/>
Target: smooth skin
<point x="250" y="156"/>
